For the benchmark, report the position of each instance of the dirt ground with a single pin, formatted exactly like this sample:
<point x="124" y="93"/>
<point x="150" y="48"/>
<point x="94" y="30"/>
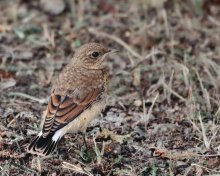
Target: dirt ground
<point x="163" y="112"/>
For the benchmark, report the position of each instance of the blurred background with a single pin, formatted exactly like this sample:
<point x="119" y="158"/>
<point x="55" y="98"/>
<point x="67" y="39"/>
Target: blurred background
<point x="163" y="112"/>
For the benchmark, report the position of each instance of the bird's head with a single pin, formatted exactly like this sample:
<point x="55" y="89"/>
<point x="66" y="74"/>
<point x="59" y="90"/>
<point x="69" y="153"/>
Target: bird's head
<point x="91" y="56"/>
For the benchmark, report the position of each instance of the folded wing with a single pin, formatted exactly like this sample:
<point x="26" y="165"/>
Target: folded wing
<point x="60" y="112"/>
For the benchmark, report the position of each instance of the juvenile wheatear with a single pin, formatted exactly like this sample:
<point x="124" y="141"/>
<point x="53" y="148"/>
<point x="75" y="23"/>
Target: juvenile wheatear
<point x="77" y="98"/>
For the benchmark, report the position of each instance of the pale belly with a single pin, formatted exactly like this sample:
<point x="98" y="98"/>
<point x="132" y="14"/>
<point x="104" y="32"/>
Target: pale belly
<point x="82" y="121"/>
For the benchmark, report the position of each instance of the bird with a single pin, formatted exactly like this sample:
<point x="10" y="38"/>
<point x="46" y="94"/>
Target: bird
<point x="77" y="97"/>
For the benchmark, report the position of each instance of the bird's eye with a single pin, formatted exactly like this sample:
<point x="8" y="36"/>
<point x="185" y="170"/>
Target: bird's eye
<point x="95" y="54"/>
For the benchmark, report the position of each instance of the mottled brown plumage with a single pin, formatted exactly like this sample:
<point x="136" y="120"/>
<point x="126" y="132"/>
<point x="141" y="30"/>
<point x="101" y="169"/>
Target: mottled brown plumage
<point x="77" y="97"/>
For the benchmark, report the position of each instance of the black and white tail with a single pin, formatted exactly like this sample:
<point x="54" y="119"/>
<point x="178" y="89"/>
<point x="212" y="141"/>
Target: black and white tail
<point x="44" y="145"/>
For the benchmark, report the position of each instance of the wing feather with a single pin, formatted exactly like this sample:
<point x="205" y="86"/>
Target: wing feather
<point x="61" y="112"/>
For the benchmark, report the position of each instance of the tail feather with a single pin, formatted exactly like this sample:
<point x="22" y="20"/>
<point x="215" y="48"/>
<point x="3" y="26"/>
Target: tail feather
<point x="43" y="145"/>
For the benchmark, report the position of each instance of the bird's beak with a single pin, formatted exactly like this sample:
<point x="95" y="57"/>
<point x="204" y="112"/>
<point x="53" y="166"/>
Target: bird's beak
<point x="111" y="51"/>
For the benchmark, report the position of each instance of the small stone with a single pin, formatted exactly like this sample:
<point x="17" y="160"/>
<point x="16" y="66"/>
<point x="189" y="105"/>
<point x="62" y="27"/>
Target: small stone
<point x="138" y="103"/>
<point x="54" y="7"/>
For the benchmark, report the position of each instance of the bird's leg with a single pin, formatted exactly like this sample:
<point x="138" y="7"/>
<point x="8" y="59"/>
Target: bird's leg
<point x="84" y="139"/>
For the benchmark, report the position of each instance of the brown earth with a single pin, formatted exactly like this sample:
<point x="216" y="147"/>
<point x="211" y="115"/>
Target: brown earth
<point x="163" y="115"/>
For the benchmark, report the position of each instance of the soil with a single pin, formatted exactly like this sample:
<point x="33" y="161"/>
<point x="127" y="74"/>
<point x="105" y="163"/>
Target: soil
<point x="163" y="113"/>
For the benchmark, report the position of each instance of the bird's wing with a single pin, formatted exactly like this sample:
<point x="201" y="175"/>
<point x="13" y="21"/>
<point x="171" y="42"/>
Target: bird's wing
<point x="61" y="112"/>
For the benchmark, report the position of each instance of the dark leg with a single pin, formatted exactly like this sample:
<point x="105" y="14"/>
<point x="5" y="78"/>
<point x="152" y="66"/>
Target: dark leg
<point x="84" y="139"/>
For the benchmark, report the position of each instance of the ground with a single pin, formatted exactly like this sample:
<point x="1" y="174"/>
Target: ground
<point x="163" y="113"/>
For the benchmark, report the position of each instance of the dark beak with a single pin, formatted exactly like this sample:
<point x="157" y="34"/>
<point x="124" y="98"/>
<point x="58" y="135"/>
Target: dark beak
<point x="110" y="51"/>
<point x="113" y="51"/>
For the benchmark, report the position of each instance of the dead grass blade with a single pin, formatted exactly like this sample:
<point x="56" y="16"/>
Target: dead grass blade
<point x="76" y="168"/>
<point x="174" y="92"/>
<point x="204" y="92"/>
<point x="49" y="35"/>
<point x="116" y="39"/>
<point x="147" y="117"/>
<point x="206" y="168"/>
<point x="20" y="94"/>
<point x="153" y="53"/>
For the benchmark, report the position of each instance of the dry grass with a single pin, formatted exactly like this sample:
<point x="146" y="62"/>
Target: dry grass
<point x="163" y="116"/>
